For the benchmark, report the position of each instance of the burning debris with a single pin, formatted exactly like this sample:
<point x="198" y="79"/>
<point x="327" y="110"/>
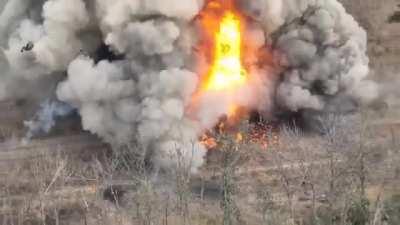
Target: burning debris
<point x="28" y="47"/>
<point x="163" y="73"/>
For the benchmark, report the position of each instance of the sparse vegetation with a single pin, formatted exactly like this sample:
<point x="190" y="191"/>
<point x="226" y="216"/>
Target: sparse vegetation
<point x="339" y="178"/>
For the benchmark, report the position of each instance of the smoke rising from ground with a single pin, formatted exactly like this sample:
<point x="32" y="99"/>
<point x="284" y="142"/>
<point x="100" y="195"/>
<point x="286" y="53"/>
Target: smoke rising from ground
<point x="45" y="119"/>
<point x="145" y="96"/>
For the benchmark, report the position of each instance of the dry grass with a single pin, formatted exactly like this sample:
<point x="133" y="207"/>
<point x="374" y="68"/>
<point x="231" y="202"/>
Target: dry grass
<point x="286" y="184"/>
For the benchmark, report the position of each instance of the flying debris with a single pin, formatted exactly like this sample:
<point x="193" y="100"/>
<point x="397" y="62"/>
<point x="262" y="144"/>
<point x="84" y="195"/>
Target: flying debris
<point x="28" y="47"/>
<point x="83" y="53"/>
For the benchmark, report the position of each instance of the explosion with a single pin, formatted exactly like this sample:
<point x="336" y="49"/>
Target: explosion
<point x="225" y="78"/>
<point x="227" y="71"/>
<point x="162" y="74"/>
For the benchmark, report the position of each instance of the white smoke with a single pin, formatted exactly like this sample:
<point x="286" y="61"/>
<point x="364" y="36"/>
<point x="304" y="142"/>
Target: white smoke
<point x="45" y="118"/>
<point x="147" y="95"/>
<point x="325" y="53"/>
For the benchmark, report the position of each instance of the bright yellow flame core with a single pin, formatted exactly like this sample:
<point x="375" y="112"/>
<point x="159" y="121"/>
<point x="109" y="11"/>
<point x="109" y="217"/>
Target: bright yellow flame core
<point x="227" y="71"/>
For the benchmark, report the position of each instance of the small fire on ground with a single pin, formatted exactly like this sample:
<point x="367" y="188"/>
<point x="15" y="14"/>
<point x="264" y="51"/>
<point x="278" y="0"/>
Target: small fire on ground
<point x="262" y="134"/>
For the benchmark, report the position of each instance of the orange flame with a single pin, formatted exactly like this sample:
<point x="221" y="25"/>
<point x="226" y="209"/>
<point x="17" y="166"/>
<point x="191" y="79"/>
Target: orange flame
<point x="209" y="142"/>
<point x="227" y="72"/>
<point x="222" y="27"/>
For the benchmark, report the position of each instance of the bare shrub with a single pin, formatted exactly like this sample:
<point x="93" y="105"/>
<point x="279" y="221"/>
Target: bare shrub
<point x="183" y="193"/>
<point x="230" y="150"/>
<point x="146" y="202"/>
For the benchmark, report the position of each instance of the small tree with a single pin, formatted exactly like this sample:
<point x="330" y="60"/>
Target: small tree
<point x="146" y="203"/>
<point x="182" y="181"/>
<point x="286" y="167"/>
<point x="338" y="140"/>
<point x="265" y="203"/>
<point x="230" y="149"/>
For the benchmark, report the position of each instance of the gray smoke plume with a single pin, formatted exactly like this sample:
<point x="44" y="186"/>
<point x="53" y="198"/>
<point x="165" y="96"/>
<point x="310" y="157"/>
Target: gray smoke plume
<point x="145" y="95"/>
<point x="45" y="119"/>
<point x="325" y="62"/>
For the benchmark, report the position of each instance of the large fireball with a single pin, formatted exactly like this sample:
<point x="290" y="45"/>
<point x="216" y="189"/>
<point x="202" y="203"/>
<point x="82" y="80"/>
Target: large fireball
<point x="227" y="72"/>
<point x="224" y="76"/>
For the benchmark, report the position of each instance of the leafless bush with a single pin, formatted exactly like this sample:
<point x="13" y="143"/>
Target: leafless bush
<point x="230" y="148"/>
<point x="183" y="193"/>
<point x="146" y="203"/>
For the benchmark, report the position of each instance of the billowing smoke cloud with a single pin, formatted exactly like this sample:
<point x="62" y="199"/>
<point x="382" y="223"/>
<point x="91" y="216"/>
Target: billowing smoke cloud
<point x="145" y="94"/>
<point x="325" y="63"/>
